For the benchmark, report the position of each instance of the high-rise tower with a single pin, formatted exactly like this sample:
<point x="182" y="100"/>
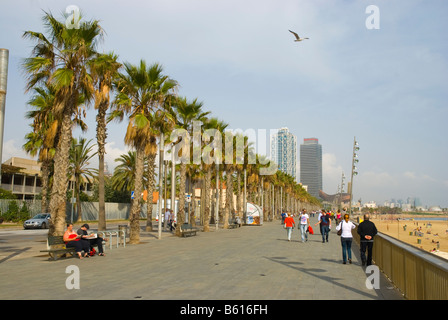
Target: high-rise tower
<point x="311" y="165"/>
<point x="284" y="151"/>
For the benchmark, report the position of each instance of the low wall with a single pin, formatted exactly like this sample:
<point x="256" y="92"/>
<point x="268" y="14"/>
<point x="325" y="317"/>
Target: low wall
<point x="89" y="210"/>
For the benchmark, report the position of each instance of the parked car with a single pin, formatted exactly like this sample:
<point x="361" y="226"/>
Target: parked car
<point x="38" y="221"/>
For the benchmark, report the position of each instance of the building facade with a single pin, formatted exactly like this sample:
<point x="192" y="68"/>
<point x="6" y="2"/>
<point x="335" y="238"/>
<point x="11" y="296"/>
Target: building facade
<point x="284" y="151"/>
<point x="311" y="166"/>
<point x="22" y="177"/>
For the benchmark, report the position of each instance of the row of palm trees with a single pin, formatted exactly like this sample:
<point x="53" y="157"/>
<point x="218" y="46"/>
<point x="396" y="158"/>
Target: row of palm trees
<point x="67" y="74"/>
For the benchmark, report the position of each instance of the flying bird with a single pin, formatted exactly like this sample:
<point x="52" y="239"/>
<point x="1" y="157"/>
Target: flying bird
<point x="297" y="36"/>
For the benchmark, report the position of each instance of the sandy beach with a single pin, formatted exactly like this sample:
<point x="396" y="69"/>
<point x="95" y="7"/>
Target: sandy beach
<point x="426" y="234"/>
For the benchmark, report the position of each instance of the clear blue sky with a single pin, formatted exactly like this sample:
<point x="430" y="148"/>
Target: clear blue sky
<point x="387" y="86"/>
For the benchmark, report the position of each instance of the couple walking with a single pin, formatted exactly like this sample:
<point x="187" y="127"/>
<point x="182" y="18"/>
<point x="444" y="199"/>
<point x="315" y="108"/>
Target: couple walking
<point x="366" y="230"/>
<point x="304" y="222"/>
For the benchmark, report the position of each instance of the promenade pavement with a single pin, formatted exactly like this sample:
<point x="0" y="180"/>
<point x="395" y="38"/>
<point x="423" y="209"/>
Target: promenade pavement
<point x="246" y="263"/>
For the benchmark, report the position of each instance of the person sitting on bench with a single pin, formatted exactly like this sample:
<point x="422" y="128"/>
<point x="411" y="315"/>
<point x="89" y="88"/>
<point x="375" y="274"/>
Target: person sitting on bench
<point x="73" y="240"/>
<point x="93" y="239"/>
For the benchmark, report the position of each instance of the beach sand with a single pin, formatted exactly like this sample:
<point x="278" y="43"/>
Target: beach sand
<point x="429" y="235"/>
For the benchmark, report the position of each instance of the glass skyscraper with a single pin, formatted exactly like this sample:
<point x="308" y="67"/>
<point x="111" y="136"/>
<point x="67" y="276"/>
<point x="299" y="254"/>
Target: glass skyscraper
<point x="311" y="165"/>
<point x="284" y="151"/>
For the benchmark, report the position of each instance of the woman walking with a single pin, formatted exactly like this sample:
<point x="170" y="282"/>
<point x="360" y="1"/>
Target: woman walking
<point x="346" y="238"/>
<point x="289" y="225"/>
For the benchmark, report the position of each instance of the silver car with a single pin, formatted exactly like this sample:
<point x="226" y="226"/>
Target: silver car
<point x="38" y="221"/>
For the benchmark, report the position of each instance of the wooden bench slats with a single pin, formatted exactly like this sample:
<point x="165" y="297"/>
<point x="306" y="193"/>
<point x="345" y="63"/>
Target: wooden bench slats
<point x="57" y="247"/>
<point x="187" y="229"/>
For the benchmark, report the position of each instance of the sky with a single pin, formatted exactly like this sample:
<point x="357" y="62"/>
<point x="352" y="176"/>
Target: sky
<point x="384" y="86"/>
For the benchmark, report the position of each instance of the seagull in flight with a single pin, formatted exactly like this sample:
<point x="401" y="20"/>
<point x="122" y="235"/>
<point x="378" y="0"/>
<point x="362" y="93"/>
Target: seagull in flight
<point x="297" y="36"/>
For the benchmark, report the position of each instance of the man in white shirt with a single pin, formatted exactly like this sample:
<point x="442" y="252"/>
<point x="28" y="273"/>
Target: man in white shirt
<point x="304" y="222"/>
<point x="167" y="218"/>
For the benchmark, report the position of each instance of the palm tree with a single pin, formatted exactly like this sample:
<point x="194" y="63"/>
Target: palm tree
<point x="143" y="94"/>
<point x="104" y="70"/>
<point x="124" y="172"/>
<point x="186" y="113"/>
<point x="80" y="155"/>
<point x="60" y="59"/>
<point x="209" y="152"/>
<point x="41" y="141"/>
<point x="150" y="173"/>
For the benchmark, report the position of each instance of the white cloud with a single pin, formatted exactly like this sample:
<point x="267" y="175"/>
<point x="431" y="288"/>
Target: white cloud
<point x="112" y="153"/>
<point x="11" y="148"/>
<point x="410" y="175"/>
<point x="332" y="174"/>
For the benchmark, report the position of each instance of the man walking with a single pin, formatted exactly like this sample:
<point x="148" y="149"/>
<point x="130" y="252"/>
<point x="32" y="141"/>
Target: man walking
<point x="367" y="231"/>
<point x="304" y="222"/>
<point x="325" y="225"/>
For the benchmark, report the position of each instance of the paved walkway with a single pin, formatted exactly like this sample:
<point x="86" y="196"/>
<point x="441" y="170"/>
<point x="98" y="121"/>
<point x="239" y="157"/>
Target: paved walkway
<point x="247" y="263"/>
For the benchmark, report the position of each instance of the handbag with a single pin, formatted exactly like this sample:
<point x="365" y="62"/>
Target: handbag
<point x="310" y="230"/>
<point x="340" y="230"/>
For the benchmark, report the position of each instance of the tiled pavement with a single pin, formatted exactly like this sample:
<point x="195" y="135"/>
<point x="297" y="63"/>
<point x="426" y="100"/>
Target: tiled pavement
<point x="247" y="263"/>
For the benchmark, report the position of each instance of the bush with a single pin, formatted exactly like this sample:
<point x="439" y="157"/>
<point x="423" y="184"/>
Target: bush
<point x="14" y="214"/>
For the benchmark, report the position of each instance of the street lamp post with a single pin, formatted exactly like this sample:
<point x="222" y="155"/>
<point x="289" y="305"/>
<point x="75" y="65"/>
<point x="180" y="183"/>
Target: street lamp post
<point x="354" y="172"/>
<point x="4" y="57"/>
<point x="217" y="197"/>
<point x="341" y="191"/>
<point x="161" y="151"/>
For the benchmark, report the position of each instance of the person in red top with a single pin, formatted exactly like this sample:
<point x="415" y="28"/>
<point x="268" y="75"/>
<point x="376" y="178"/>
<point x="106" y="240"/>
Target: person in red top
<point x="289" y="225"/>
<point x="72" y="239"/>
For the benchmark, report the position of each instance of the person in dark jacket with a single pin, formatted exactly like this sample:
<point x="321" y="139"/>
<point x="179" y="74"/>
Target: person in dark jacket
<point x="92" y="239"/>
<point x="367" y="231"/>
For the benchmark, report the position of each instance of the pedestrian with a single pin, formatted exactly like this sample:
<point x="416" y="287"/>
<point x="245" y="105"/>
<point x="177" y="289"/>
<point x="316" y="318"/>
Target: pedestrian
<point x="325" y="225"/>
<point x="289" y="225"/>
<point x="73" y="240"/>
<point x="318" y="219"/>
<point x="304" y="223"/>
<point x="346" y="238"/>
<point x="283" y="217"/>
<point x="93" y="239"/>
<point x="171" y="223"/>
<point x="367" y="231"/>
<point x="166" y="218"/>
<point x="338" y="216"/>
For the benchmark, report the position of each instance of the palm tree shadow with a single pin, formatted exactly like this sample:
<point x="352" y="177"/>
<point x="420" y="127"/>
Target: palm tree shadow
<point x="314" y="272"/>
<point x="14" y="253"/>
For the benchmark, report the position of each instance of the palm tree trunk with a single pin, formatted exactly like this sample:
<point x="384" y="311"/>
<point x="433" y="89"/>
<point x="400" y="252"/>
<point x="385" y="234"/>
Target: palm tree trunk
<point x="192" y="218"/>
<point x="229" y="196"/>
<point x="181" y="206"/>
<point x="238" y="194"/>
<point x="208" y="179"/>
<point x="134" y="218"/>
<point x="151" y="185"/>
<point x="45" y="178"/>
<point x="60" y="180"/>
<point x="101" y="141"/>
<point x="101" y="195"/>
<point x="78" y="200"/>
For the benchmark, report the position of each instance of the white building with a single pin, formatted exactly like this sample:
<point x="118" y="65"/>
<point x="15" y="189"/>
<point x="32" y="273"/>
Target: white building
<point x="284" y="151"/>
<point x="370" y="204"/>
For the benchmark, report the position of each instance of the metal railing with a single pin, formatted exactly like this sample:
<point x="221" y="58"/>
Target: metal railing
<point x="418" y="274"/>
<point x="119" y="234"/>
